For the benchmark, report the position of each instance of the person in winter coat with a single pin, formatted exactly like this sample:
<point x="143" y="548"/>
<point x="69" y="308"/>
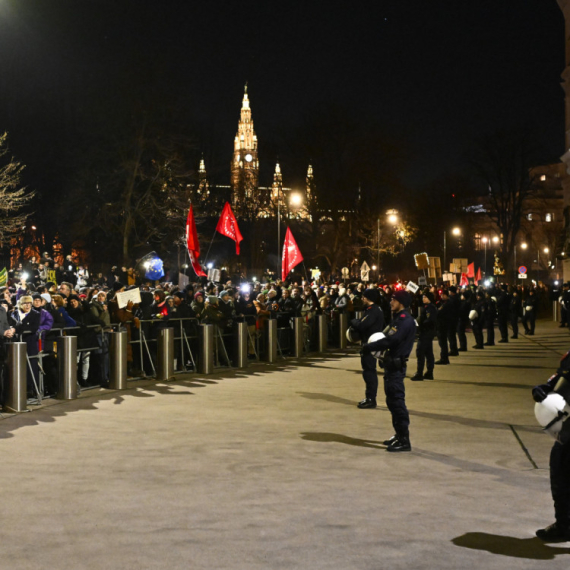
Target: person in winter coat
<point x="478" y="319"/>
<point x="426" y="333"/>
<point x="530" y="310"/>
<point x="490" y="316"/>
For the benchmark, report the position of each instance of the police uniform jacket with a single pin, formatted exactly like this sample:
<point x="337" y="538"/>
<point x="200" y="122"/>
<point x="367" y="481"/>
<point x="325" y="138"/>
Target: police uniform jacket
<point x="503" y="303"/>
<point x="531" y="301"/>
<point x="427" y="321"/>
<point x="481" y="308"/>
<point x="516" y="306"/>
<point x="399" y="338"/>
<point x="372" y="322"/>
<point x="444" y="310"/>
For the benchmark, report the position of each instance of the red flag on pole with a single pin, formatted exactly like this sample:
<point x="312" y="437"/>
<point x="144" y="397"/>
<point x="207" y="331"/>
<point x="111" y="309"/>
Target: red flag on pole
<point x="464" y="280"/>
<point x="471" y="270"/>
<point x="478" y="278"/>
<point x="228" y="227"/>
<point x="291" y="255"/>
<point x="192" y="243"/>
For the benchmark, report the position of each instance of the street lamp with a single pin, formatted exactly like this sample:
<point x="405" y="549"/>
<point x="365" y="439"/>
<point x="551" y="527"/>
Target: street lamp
<point x="485" y="239"/>
<point x="456" y="232"/>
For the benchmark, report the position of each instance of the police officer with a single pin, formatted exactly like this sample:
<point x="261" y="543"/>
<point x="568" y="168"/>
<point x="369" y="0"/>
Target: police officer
<point x="399" y="341"/>
<point x="503" y="303"/>
<point x="490" y="315"/>
<point x="478" y="319"/>
<point x="454" y="303"/>
<point x="443" y="322"/>
<point x="426" y="330"/>
<point x="559" y="467"/>
<point x="530" y="308"/>
<point x="515" y="311"/>
<point x="372" y="322"/>
<point x="464" y="310"/>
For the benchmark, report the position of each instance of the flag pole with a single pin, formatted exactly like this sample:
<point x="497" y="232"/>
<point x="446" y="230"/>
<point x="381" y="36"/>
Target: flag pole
<point x="207" y="254"/>
<point x="306" y="274"/>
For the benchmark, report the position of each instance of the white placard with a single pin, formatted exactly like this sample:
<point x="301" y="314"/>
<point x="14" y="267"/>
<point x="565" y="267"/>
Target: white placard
<point x="411" y="286"/>
<point x="133" y="295"/>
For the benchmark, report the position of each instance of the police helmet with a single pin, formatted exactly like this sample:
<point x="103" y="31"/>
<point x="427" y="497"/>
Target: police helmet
<point x="352" y="335"/>
<point x="373" y="338"/>
<point x="552" y="414"/>
<point x="473" y="314"/>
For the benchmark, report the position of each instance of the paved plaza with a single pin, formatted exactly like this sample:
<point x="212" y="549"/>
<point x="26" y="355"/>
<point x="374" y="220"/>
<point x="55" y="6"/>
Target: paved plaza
<point x="276" y="468"/>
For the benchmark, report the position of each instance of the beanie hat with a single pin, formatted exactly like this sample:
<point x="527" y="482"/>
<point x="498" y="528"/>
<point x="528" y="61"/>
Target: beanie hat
<point x="403" y="297"/>
<point x="117" y="286"/>
<point x="429" y="295"/>
<point x="452" y="289"/>
<point x="36" y="296"/>
<point x="75" y="298"/>
<point x="371" y="295"/>
<point x="47" y="297"/>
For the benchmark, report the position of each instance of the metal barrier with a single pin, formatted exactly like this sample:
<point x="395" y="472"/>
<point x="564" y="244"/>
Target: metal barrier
<point x="241" y="345"/>
<point x="271" y="341"/>
<point x="298" y="338"/>
<point x="342" y="326"/>
<point x="323" y="333"/>
<point x="118" y="369"/>
<point x="16" y="390"/>
<point x="67" y="357"/>
<point x="206" y="362"/>
<point x="165" y="354"/>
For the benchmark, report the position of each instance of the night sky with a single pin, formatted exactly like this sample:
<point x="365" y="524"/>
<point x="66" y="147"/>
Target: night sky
<point x="435" y="74"/>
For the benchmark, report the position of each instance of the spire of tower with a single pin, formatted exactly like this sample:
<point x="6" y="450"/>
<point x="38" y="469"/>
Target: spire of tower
<point x="202" y="169"/>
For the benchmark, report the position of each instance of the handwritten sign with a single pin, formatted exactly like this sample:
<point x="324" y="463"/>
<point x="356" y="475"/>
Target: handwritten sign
<point x="133" y="295"/>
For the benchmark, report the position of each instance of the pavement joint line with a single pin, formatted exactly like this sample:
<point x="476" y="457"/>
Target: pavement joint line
<point x="527" y="453"/>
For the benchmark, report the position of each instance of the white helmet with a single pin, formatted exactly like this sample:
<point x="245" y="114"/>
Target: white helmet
<point x="552" y="414"/>
<point x="473" y="314"/>
<point x="374" y="338"/>
<point x="528" y="308"/>
<point x="352" y="335"/>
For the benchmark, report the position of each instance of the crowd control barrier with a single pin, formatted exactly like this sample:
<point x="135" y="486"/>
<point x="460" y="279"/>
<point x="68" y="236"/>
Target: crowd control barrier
<point x="155" y="348"/>
<point x="118" y="368"/>
<point x="15" y="399"/>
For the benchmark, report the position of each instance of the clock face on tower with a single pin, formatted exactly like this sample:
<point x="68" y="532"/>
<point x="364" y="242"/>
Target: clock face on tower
<point x="248" y="157"/>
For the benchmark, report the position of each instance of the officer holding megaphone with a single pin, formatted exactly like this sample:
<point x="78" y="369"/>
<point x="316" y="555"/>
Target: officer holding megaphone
<point x="552" y="410"/>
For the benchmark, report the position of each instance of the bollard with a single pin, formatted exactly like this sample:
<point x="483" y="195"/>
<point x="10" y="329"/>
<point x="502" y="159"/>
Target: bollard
<point x="206" y="361"/>
<point x="16" y="390"/>
<point x="298" y="336"/>
<point x="323" y="331"/>
<point x="342" y="326"/>
<point x="358" y="314"/>
<point x="165" y="354"/>
<point x="67" y="359"/>
<point x="555" y="311"/>
<point x="118" y="357"/>
<point x="271" y="340"/>
<point x="240" y="360"/>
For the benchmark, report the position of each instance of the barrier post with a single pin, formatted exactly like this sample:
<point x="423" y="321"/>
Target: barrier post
<point x="323" y="332"/>
<point x="342" y="326"/>
<point x="67" y="359"/>
<point x="16" y="389"/>
<point x="165" y="354"/>
<point x="206" y="361"/>
<point x="271" y="345"/>
<point x="555" y="311"/>
<point x="118" y="357"/>
<point x="297" y="336"/>
<point x="241" y="345"/>
<point x="358" y="314"/>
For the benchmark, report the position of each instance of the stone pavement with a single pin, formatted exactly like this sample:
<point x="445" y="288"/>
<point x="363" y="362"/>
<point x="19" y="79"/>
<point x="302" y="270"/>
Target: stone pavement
<point x="276" y="468"/>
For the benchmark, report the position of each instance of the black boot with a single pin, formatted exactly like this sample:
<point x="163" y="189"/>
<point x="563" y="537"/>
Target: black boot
<point x="428" y="376"/>
<point x="554" y="533"/>
<point x="401" y="443"/>
<point x="417" y="376"/>
<point x="367" y="403"/>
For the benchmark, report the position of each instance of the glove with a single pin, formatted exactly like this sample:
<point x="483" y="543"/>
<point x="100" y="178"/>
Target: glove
<point x="540" y="392"/>
<point x="367" y="350"/>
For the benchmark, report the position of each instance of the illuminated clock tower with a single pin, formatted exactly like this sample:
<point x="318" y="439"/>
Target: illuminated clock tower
<point x="245" y="164"/>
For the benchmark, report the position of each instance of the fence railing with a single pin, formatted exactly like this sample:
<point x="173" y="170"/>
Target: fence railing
<point x="71" y="359"/>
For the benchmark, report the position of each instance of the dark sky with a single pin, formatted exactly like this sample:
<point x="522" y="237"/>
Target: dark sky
<point x="436" y="73"/>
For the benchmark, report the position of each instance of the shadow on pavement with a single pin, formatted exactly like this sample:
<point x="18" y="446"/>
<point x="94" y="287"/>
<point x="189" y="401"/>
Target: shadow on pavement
<point x="327" y="397"/>
<point x="338" y="438"/>
<point x="531" y="548"/>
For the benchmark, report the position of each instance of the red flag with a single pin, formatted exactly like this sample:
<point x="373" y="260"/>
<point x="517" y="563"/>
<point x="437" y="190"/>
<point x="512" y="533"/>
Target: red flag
<point x="478" y="278"/>
<point x="471" y="270"/>
<point x="291" y="255"/>
<point x="464" y="281"/>
<point x="192" y="243"/>
<point x="228" y="227"/>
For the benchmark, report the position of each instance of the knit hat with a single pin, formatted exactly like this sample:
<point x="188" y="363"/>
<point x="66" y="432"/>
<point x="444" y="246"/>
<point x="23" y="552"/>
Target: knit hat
<point x="117" y="286"/>
<point x="36" y="296"/>
<point x="371" y="295"/>
<point x="46" y="296"/>
<point x="403" y="297"/>
<point x="429" y="295"/>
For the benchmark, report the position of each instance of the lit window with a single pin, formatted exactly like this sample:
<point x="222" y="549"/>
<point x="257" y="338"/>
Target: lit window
<point x="549" y="217"/>
<point x="529" y="217"/>
<point x="543" y="178"/>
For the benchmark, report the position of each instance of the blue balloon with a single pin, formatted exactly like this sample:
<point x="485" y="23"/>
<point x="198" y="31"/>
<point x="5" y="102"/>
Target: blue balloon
<point x="154" y="270"/>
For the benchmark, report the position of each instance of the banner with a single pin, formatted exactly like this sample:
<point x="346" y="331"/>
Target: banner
<point x="3" y="277"/>
<point x="291" y="255"/>
<point x="192" y="243"/>
<point x="471" y="270"/>
<point x="228" y="226"/>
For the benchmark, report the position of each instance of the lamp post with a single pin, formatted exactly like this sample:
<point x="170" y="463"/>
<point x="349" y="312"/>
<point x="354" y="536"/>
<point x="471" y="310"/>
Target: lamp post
<point x="485" y="239"/>
<point x="456" y="232"/>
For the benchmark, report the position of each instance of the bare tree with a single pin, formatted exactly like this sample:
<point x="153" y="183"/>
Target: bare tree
<point x="13" y="197"/>
<point x="503" y="163"/>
